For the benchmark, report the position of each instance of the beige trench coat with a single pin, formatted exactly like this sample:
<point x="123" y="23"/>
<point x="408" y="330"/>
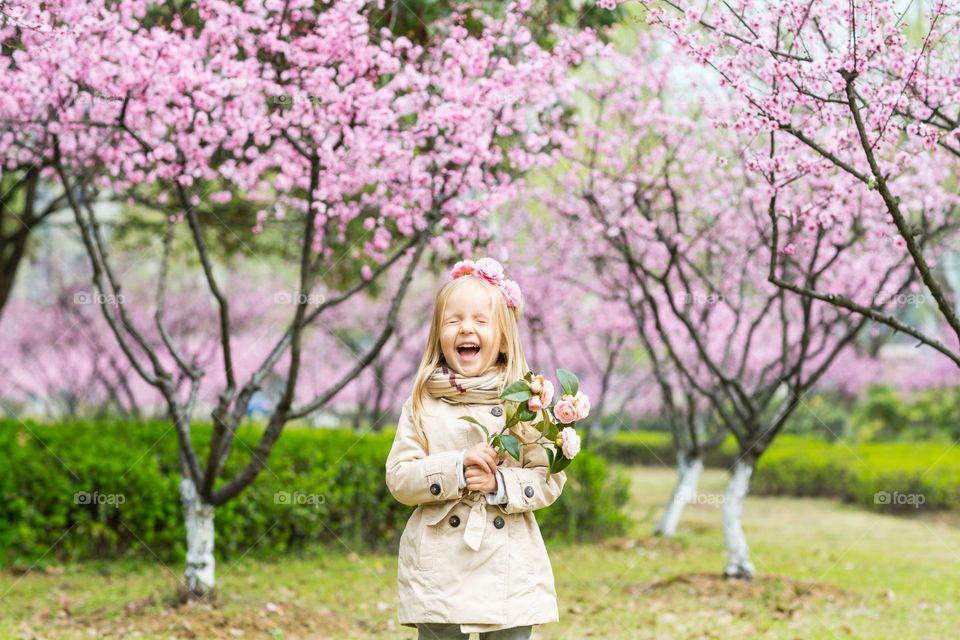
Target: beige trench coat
<point x="462" y="560"/>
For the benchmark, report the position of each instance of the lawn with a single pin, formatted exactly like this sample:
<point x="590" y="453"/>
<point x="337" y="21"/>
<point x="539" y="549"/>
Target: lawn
<point x="825" y="570"/>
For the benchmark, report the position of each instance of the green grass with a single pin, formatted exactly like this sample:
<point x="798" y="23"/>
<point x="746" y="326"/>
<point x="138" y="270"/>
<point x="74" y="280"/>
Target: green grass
<point x="825" y="570"/>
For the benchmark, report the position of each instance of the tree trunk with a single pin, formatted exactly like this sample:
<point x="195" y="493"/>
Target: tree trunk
<point x="689" y="468"/>
<point x="198" y="517"/>
<point x="738" y="553"/>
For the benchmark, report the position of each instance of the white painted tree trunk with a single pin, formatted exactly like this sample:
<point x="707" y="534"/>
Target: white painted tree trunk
<point x="738" y="553"/>
<point x="198" y="517"/>
<point x="689" y="469"/>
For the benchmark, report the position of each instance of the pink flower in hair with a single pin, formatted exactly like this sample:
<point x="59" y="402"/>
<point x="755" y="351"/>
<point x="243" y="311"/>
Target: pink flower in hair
<point x="511" y="291"/>
<point x="462" y="268"/>
<point x="490" y="270"/>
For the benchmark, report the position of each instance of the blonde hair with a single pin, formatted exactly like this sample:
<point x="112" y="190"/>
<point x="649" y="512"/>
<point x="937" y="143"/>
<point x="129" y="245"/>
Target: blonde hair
<point x="511" y="361"/>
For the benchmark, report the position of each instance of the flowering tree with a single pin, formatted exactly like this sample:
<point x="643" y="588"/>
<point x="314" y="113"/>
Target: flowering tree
<point x="379" y="148"/>
<point x="859" y="99"/>
<point x="590" y="337"/>
<point x="25" y="158"/>
<point x="682" y="238"/>
<point x="376" y="393"/>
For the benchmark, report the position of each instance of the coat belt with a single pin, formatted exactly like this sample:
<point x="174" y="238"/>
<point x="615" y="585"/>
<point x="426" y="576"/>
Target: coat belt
<point x="476" y="520"/>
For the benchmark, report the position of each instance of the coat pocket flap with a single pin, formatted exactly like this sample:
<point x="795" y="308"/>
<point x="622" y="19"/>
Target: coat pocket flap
<point x="434" y="513"/>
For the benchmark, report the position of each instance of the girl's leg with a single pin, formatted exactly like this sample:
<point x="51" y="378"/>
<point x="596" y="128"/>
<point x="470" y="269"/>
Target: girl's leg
<point x="514" y="633"/>
<point x="440" y="631"/>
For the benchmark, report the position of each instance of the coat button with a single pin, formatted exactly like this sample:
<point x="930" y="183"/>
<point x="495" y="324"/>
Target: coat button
<point x="498" y="522"/>
<point x="528" y="492"/>
<point x="497" y="411"/>
<point x="454" y="521"/>
<point x="435" y="489"/>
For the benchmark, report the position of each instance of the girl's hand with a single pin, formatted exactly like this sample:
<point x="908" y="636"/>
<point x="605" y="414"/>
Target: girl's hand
<point x="481" y="455"/>
<point x="479" y="479"/>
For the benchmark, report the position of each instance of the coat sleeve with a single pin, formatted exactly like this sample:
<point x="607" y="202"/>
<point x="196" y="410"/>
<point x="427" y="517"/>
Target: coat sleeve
<point x="527" y="487"/>
<point x="415" y="478"/>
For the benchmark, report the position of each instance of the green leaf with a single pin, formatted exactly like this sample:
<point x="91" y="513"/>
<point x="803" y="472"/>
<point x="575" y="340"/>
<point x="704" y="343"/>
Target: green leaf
<point x="539" y="426"/>
<point x="517" y="392"/>
<point x="512" y="445"/>
<point x="528" y="376"/>
<point x="525" y="414"/>
<point x="560" y="463"/>
<point x="552" y="432"/>
<point x="568" y="381"/>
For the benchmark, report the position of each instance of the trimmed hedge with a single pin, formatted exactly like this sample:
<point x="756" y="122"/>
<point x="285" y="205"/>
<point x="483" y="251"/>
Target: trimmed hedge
<point x="655" y="448"/>
<point x="320" y="486"/>
<point x="883" y="476"/>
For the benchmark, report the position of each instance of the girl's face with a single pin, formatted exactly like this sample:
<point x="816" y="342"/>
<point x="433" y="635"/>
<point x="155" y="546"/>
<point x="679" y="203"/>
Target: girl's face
<point x="468" y="338"/>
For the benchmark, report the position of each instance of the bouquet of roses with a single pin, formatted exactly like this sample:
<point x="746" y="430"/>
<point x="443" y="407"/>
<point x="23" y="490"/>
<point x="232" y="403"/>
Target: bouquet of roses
<point x="528" y="400"/>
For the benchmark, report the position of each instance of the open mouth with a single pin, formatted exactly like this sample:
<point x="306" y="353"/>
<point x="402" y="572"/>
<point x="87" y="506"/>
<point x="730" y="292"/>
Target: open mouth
<point x="468" y="351"/>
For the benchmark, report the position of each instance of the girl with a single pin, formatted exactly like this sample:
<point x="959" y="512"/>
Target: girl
<point x="471" y="556"/>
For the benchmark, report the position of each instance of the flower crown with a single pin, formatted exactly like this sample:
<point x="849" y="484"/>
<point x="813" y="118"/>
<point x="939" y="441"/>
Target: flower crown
<point x="491" y="271"/>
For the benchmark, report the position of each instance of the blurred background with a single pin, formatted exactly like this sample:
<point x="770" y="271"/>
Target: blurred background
<point x="736" y="223"/>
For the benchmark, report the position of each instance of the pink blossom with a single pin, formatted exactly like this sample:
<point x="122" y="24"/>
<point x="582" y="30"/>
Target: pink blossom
<point x="570" y="443"/>
<point x="536" y="385"/>
<point x="582" y="402"/>
<point x="535" y="403"/>
<point x="547" y="393"/>
<point x="462" y="268"/>
<point x="511" y="291"/>
<point x="565" y="411"/>
<point x="490" y="270"/>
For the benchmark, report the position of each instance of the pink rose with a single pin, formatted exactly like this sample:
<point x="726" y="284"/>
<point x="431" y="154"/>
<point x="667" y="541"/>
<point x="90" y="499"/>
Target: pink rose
<point x="565" y="411"/>
<point x="535" y="403"/>
<point x="547" y="393"/>
<point x="490" y="270"/>
<point x="536" y="384"/>
<point x="511" y="291"/>
<point x="462" y="268"/>
<point x="582" y="403"/>
<point x="570" y="443"/>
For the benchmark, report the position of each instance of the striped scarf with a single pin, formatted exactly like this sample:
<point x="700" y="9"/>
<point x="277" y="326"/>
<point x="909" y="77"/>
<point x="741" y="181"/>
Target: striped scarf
<point x="452" y="388"/>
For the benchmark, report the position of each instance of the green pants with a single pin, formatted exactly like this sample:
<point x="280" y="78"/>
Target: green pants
<point x="438" y="631"/>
